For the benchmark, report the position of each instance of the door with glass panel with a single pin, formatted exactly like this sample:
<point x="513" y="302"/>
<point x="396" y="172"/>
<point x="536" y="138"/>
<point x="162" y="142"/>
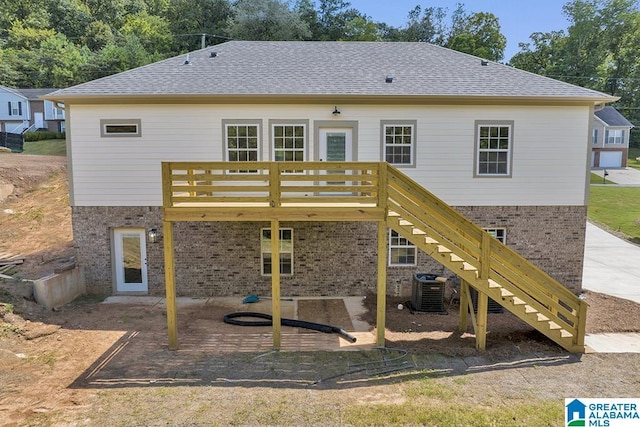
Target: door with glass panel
<point x="335" y="145"/>
<point x="130" y="260"/>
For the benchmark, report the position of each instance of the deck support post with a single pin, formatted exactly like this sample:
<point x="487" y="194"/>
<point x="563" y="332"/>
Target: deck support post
<point x="481" y="327"/>
<point x="275" y="282"/>
<point x="464" y="306"/>
<point x="170" y="284"/>
<point x="382" y="283"/>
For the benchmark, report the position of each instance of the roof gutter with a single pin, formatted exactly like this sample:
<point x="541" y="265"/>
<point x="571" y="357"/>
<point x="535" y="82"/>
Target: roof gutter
<point x="598" y="102"/>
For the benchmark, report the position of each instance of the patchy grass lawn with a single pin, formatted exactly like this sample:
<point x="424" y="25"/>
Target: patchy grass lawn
<point x="596" y="179"/>
<point x="47" y="147"/>
<point x="616" y="208"/>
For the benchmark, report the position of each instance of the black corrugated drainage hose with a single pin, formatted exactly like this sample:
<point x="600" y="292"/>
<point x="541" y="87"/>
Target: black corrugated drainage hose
<point x="231" y="319"/>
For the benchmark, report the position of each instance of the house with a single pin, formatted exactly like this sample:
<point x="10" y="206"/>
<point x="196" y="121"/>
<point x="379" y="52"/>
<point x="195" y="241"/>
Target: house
<point x="14" y="111"/>
<point x="576" y="410"/>
<point x="466" y="130"/>
<point x="24" y="110"/>
<point x="610" y="139"/>
<point x="45" y="114"/>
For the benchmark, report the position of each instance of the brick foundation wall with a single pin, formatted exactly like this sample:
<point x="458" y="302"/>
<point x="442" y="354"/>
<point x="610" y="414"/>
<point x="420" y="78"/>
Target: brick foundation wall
<point x="222" y="259"/>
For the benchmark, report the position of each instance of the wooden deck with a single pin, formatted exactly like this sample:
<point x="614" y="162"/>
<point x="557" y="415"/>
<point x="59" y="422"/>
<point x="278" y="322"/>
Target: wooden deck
<point x="370" y="191"/>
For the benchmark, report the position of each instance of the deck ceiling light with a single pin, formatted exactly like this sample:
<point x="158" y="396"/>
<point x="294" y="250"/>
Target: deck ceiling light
<point x="335" y="111"/>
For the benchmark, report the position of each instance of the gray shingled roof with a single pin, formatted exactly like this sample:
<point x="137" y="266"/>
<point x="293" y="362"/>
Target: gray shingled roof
<point x="329" y="68"/>
<point x="35" y="94"/>
<point x="612" y="117"/>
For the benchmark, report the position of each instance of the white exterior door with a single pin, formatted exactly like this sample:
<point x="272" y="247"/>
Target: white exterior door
<point x="336" y="145"/>
<point x="38" y="119"/>
<point x="610" y="159"/>
<point x="130" y="260"/>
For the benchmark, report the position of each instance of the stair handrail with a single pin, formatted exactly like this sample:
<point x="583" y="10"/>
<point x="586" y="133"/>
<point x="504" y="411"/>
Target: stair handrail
<point x="550" y="293"/>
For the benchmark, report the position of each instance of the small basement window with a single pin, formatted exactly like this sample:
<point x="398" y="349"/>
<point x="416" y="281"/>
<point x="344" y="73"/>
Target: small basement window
<point x="120" y="128"/>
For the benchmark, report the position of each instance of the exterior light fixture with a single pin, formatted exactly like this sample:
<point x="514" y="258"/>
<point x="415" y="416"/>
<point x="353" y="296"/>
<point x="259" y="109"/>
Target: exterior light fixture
<point x="335" y="111"/>
<point x="389" y="79"/>
<point x="154" y="235"/>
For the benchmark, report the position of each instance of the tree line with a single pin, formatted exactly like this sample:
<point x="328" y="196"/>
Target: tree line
<point x="58" y="43"/>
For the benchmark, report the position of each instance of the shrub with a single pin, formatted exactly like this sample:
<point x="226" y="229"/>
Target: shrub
<point x="42" y="135"/>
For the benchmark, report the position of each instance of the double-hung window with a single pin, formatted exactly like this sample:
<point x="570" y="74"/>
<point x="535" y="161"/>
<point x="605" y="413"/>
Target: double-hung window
<point x="401" y="251"/>
<point x="286" y="251"/>
<point x="242" y="143"/>
<point x="498" y="233"/>
<point x="494" y="147"/>
<point x="398" y="142"/>
<point x="15" y="108"/>
<point x="614" y="136"/>
<point x="289" y="141"/>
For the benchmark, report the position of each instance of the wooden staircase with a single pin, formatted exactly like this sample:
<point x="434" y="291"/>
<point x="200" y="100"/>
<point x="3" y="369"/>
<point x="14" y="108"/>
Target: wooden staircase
<point x="484" y="263"/>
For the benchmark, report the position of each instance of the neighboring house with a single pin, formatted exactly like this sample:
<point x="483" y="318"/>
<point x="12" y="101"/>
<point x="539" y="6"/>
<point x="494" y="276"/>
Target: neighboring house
<point x="14" y="111"/>
<point x="610" y="139"/>
<point x="474" y="133"/>
<point x="24" y="110"/>
<point x="45" y="115"/>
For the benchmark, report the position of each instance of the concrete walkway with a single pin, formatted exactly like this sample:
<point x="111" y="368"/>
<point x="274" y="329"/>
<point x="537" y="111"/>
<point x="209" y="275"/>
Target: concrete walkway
<point x="612" y="267"/>
<point x="626" y="176"/>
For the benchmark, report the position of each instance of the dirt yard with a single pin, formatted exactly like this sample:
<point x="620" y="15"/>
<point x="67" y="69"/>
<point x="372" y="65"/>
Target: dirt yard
<point x="91" y="363"/>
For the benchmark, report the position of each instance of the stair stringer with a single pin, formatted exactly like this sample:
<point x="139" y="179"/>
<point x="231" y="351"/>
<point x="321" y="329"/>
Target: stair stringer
<point x="453" y="245"/>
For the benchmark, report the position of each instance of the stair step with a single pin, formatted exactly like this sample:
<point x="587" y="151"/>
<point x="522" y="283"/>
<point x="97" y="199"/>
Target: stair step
<point x="518" y="301"/>
<point x="417" y="231"/>
<point x="505" y="293"/>
<point x="528" y="309"/>
<point x="565" y="334"/>
<point x="405" y="223"/>
<point x="553" y="325"/>
<point x="541" y="317"/>
<point x="430" y="241"/>
<point x="468" y="267"/>
<point x="443" y="249"/>
<point x="456" y="258"/>
<point x="493" y="284"/>
<point x="393" y="214"/>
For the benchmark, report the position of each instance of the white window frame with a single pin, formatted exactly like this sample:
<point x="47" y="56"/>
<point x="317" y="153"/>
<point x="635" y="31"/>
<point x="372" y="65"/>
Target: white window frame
<point x="492" y="138"/>
<point x="616" y="139"/>
<point x="397" y="140"/>
<point x="397" y="242"/>
<point x="106" y="124"/>
<point x="227" y="150"/>
<point x="594" y="136"/>
<point x="286" y="248"/>
<point x="15" y="108"/>
<point x="498" y="233"/>
<point x="297" y="151"/>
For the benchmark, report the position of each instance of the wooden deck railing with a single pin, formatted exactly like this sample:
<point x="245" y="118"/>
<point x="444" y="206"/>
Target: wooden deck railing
<point x="274" y="184"/>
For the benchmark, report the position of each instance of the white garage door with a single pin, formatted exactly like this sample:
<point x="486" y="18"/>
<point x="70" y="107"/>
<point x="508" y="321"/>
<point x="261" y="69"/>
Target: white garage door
<point x="610" y="159"/>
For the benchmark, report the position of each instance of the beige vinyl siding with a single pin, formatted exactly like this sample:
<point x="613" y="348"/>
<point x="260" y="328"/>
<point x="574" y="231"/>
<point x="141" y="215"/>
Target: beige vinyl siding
<point x="548" y="159"/>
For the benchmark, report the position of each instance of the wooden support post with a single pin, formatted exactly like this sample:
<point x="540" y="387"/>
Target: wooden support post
<point x="485" y="256"/>
<point x="578" y="338"/>
<point x="382" y="282"/>
<point x="464" y="306"/>
<point x="482" y="317"/>
<point x="170" y="284"/>
<point x="275" y="282"/>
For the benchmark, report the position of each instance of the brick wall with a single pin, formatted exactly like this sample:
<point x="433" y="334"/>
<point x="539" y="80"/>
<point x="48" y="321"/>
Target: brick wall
<point x="214" y="259"/>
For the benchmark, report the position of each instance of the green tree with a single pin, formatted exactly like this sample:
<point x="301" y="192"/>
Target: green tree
<point x="540" y="56"/>
<point x="266" y="20"/>
<point x="114" y="58"/>
<point x="189" y="19"/>
<point x="152" y="32"/>
<point x="478" y="34"/>
<point x="425" y="25"/>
